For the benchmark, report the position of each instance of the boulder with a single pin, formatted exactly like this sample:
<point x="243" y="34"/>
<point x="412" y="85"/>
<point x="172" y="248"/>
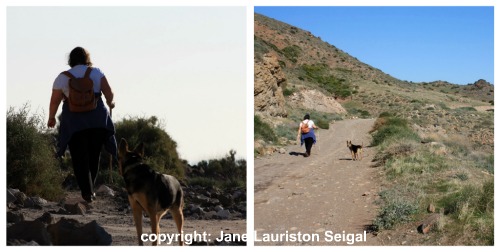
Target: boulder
<point x="226" y="200"/>
<point x="77" y="208"/>
<point x="430" y="223"/>
<point x="104" y="190"/>
<point x="29" y="231"/>
<point x="223" y="214"/>
<point x="15" y="217"/>
<point x="47" y="218"/>
<point x="72" y="232"/>
<point x="431" y="208"/>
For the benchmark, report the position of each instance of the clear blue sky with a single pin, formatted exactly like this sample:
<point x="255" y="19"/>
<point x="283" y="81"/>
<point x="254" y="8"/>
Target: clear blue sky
<point x="453" y="44"/>
<point x="184" y="65"/>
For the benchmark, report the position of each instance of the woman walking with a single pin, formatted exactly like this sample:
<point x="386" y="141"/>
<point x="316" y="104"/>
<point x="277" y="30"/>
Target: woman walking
<point x="306" y="134"/>
<point x="85" y="129"/>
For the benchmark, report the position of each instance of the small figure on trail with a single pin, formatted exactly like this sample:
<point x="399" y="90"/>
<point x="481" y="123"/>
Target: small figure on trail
<point x="306" y="134"/>
<point x="85" y="123"/>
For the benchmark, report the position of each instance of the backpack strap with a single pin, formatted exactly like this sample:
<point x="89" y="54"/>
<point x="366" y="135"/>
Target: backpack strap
<point x="71" y="76"/>
<point x="87" y="73"/>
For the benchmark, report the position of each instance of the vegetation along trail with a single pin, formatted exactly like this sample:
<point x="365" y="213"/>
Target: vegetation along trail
<point x="325" y="194"/>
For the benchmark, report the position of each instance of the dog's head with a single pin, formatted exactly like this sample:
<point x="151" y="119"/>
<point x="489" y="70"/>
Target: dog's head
<point x="349" y="144"/>
<point x="127" y="157"/>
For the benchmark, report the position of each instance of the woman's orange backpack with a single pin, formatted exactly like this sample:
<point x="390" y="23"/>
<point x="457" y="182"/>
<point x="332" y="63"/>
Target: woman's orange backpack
<point x="304" y="128"/>
<point x="81" y="92"/>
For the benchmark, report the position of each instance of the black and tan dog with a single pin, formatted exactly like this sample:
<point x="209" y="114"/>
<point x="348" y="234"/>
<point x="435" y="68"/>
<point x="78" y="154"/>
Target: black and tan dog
<point x="356" y="150"/>
<point x="149" y="191"/>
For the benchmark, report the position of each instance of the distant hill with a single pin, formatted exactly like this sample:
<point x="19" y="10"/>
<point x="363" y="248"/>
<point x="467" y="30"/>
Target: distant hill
<point x="291" y="63"/>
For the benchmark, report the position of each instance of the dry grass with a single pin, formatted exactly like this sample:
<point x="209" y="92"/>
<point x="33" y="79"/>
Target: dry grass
<point x="444" y="171"/>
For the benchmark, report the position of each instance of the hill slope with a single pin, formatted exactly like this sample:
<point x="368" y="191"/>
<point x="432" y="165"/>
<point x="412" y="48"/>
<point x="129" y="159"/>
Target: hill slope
<point x="432" y="146"/>
<point x="304" y="62"/>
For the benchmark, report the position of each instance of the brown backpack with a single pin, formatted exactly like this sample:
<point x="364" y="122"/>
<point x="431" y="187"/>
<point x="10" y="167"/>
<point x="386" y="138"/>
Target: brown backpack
<point x="81" y="96"/>
<point x="304" y="128"/>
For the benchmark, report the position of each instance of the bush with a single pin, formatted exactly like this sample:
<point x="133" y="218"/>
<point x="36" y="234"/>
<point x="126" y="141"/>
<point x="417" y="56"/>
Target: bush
<point x="263" y="131"/>
<point x="31" y="163"/>
<point x="472" y="208"/>
<point x="322" y="123"/>
<point x="160" y="149"/>
<point x="288" y="131"/>
<point x="224" y="172"/>
<point x="394" y="132"/>
<point x="393" y="213"/>
<point x="417" y="163"/>
<point x="390" y="127"/>
<point x="288" y="92"/>
<point x="204" y="182"/>
<point x="319" y="73"/>
<point x="470" y="201"/>
<point x="291" y="53"/>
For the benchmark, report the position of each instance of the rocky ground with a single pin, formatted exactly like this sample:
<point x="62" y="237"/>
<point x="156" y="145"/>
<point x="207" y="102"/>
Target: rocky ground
<point x="108" y="220"/>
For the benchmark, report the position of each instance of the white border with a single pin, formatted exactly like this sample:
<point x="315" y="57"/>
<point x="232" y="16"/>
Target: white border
<point x="250" y="73"/>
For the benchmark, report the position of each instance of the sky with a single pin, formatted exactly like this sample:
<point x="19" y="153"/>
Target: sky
<point x="419" y="44"/>
<point x="184" y="65"/>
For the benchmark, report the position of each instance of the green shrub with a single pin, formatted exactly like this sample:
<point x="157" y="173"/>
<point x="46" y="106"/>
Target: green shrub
<point x="393" y="213"/>
<point x="287" y="131"/>
<point x="291" y="52"/>
<point x="319" y="73"/>
<point x="288" y="92"/>
<point x="486" y="202"/>
<point x="389" y="127"/>
<point x="160" y="149"/>
<point x="226" y="172"/>
<point x="31" y="163"/>
<point x="322" y="123"/>
<point x="394" y="149"/>
<point x="323" y="120"/>
<point x="485" y="162"/>
<point x="470" y="201"/>
<point x="472" y="208"/>
<point x="263" y="131"/>
<point x="394" y="132"/>
<point x="418" y="162"/>
<point x="204" y="182"/>
<point x="468" y="109"/>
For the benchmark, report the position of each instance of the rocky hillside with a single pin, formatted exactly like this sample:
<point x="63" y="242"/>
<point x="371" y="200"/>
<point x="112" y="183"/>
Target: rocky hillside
<point x="297" y="72"/>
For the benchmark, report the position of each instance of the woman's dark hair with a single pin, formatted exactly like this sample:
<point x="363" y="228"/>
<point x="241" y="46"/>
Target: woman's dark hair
<point x="307" y="117"/>
<point x="79" y="56"/>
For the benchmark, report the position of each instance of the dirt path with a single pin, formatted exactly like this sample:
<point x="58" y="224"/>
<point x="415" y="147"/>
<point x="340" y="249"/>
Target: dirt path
<point x="319" y="196"/>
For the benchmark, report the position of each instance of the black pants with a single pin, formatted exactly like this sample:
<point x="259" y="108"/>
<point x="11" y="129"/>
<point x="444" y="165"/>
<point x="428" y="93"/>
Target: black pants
<point x="85" y="148"/>
<point x="309" y="143"/>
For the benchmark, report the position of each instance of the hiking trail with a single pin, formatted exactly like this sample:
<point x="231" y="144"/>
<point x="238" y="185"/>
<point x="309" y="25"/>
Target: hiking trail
<point x="326" y="192"/>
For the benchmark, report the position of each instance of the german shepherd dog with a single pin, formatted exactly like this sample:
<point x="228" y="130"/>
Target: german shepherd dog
<point x="356" y="150"/>
<point x="149" y="191"/>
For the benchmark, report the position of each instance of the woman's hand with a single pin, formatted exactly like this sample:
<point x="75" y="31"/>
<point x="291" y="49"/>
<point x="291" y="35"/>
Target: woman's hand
<point x="55" y="100"/>
<point x="111" y="104"/>
<point x="51" y="123"/>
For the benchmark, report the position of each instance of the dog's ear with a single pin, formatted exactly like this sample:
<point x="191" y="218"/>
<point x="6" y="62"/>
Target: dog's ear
<point x="123" y="147"/>
<point x="140" y="150"/>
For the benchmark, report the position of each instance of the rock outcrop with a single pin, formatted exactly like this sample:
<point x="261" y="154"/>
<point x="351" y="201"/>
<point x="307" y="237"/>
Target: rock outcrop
<point x="315" y="100"/>
<point x="268" y="87"/>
